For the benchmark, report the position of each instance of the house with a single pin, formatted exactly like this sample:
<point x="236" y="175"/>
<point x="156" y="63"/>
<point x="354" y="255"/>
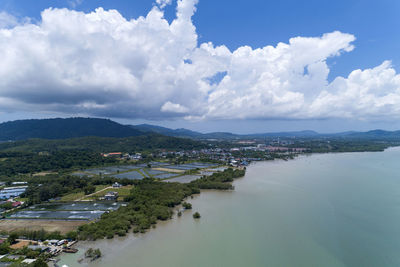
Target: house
<point x="244" y="163"/>
<point x="29" y="261"/>
<point x="16" y="204"/>
<point x="62" y="242"/>
<point x="113" y="154"/>
<point x="53" y="242"/>
<point x="111" y="196"/>
<point x="19" y="183"/>
<point x="116" y="185"/>
<point x="37" y="247"/>
<point x="137" y="156"/>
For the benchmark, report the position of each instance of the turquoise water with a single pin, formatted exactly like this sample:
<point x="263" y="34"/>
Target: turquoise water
<point x="319" y="210"/>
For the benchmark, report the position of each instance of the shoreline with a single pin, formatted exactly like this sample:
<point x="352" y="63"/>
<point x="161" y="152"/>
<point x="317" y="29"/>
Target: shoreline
<point x="136" y="237"/>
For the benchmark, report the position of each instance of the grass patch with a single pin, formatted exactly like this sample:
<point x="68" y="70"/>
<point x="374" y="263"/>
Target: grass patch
<point x="22" y="199"/>
<point x="122" y="192"/>
<point x="73" y="196"/>
<point x="78" y="195"/>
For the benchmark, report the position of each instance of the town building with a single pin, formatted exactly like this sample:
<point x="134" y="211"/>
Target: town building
<point x="111" y="196"/>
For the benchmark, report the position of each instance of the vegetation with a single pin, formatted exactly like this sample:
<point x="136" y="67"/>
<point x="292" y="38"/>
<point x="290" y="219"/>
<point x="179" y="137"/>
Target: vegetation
<point x="6" y="206"/>
<point x="12" y="238"/>
<point x="93" y="253"/>
<point x="68" y="187"/>
<point x="103" y="144"/>
<point x="37" y="235"/>
<point x="344" y="145"/>
<point x="89" y="189"/>
<point x="218" y="180"/>
<point x="4" y="248"/>
<point x="39" y="263"/>
<point x="122" y="192"/>
<point x="187" y="206"/>
<point x="28" y="163"/>
<point x="149" y="201"/>
<point x="196" y="215"/>
<point x="38" y="155"/>
<point x="64" y="128"/>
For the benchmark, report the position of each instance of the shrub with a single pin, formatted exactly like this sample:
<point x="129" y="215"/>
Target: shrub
<point x="187" y="206"/>
<point x="196" y="215"/>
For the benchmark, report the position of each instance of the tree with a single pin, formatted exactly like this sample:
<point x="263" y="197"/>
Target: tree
<point x="97" y="253"/>
<point x="187" y="206"/>
<point x="93" y="253"/>
<point x="40" y="263"/>
<point x="7" y="206"/>
<point x="72" y="235"/>
<point x="196" y="215"/>
<point x="4" y="248"/>
<point x="89" y="253"/>
<point x="89" y="189"/>
<point x="12" y="238"/>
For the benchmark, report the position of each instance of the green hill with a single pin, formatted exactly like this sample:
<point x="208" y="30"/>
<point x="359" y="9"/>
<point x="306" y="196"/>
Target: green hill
<point x="64" y="128"/>
<point x="147" y="142"/>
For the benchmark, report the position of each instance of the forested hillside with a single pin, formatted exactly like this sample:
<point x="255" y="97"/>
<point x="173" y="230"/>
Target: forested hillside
<point x="64" y="128"/>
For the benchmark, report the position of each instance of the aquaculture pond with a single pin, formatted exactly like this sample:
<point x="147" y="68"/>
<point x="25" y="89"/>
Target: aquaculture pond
<point x="62" y="215"/>
<point x="183" y="179"/>
<point x="67" y="211"/>
<point x="191" y="166"/>
<point x="165" y="175"/>
<point x="78" y="206"/>
<point x="109" y="170"/>
<point x="141" y="171"/>
<point x="133" y="175"/>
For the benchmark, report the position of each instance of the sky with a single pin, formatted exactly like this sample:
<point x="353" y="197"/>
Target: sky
<point x="240" y="66"/>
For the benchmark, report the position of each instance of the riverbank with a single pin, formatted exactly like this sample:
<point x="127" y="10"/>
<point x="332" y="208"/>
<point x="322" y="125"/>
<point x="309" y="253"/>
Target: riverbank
<point x="301" y="208"/>
<point x="63" y="227"/>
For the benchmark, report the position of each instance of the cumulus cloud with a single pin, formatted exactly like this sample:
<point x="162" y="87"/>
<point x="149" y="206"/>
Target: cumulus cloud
<point x="174" y="108"/>
<point x="7" y="20"/>
<point x="163" y="3"/>
<point x="102" y="64"/>
<point x="75" y="3"/>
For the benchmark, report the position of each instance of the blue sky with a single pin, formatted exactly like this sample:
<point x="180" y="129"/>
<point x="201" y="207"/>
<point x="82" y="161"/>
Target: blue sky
<point x="234" y="24"/>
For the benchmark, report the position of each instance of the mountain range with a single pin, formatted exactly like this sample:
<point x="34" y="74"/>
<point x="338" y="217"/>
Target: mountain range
<point x="373" y="134"/>
<point x="64" y="128"/>
<point x="182" y="132"/>
<point x="80" y="127"/>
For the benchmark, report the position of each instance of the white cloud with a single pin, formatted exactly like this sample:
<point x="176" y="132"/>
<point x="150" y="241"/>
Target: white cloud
<point x="7" y="20"/>
<point x="364" y="94"/>
<point x="163" y="3"/>
<point x="75" y="3"/>
<point x="174" y="108"/>
<point x="102" y="64"/>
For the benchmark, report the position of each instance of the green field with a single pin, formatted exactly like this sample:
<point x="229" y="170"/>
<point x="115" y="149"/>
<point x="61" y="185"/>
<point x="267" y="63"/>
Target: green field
<point x="78" y="195"/>
<point x="122" y="192"/>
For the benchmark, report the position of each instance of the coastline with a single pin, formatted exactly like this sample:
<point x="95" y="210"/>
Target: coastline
<point x="132" y="239"/>
<point x="135" y="239"/>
